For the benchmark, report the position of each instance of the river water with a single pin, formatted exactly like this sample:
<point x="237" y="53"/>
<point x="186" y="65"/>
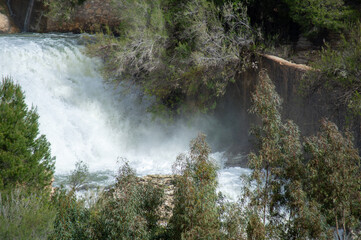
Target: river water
<point x="87" y="120"/>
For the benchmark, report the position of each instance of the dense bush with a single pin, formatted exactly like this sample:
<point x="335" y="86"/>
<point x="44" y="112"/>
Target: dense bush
<point x="25" y="215"/>
<point x="178" y="51"/>
<point x="338" y="73"/>
<point x="300" y="191"/>
<point x="316" y="16"/>
<point x="61" y="10"/>
<point x="286" y="20"/>
<point x="72" y="217"/>
<point x="25" y="157"/>
<point x="195" y="213"/>
<point x="129" y="210"/>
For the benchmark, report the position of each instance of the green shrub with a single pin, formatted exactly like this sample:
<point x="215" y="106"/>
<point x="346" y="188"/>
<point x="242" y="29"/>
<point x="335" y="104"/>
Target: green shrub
<point x="195" y="213"/>
<point x="25" y="215"/>
<point x="79" y="177"/>
<point x="280" y="207"/>
<point x="337" y="74"/>
<point x="178" y="51"/>
<point x="316" y="16"/>
<point x="72" y="217"/>
<point x="24" y="155"/>
<point x="61" y="10"/>
<point x="335" y="178"/>
<point x="129" y="210"/>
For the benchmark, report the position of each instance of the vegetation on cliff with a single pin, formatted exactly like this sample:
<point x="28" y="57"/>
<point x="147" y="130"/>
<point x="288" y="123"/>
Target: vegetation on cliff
<point x="301" y="190"/>
<point x="60" y="10"/>
<point x="187" y="53"/>
<point x="179" y="52"/>
<point x="338" y="74"/>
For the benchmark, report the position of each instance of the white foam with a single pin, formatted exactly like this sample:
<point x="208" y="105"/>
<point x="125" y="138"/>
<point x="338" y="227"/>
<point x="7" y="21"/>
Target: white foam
<point x="84" y="119"/>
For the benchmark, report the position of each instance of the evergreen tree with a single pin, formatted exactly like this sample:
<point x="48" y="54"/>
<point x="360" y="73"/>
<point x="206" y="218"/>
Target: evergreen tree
<point x="25" y="157"/>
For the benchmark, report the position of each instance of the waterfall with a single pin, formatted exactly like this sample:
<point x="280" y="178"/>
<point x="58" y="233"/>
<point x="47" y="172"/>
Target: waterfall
<point x="28" y="15"/>
<point x="9" y="7"/>
<point x="85" y="119"/>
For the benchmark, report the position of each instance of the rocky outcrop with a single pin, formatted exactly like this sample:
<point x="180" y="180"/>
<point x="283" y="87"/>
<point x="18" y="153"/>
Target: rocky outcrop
<point x="306" y="112"/>
<point x="6" y="23"/>
<point x="166" y="182"/>
<point x="21" y="13"/>
<point x="92" y="15"/>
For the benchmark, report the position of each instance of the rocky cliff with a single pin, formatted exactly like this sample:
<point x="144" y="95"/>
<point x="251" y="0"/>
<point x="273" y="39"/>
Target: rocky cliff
<point x="90" y="16"/>
<point x="7" y="24"/>
<point x="305" y="111"/>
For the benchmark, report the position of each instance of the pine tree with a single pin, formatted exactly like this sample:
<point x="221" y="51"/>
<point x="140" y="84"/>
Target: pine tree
<point x="25" y="157"/>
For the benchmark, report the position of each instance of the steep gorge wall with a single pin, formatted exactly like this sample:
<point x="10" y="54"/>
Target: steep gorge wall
<point x="7" y="24"/>
<point x="19" y="10"/>
<point x="90" y="16"/>
<point x="306" y="112"/>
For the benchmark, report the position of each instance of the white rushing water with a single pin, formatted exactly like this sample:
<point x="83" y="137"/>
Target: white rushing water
<point x="85" y="119"/>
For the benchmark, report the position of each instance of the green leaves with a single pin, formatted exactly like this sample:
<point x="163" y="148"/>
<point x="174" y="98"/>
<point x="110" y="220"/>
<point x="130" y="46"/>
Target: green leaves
<point x="195" y="213"/>
<point x="316" y="15"/>
<point x="25" y="157"/>
<point x="338" y="73"/>
<point x="335" y="177"/>
<point x="184" y="53"/>
<point x="300" y="191"/>
<point x="25" y="215"/>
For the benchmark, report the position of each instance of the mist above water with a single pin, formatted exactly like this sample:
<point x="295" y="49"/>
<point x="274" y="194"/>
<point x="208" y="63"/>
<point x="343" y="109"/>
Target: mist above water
<point x="87" y="120"/>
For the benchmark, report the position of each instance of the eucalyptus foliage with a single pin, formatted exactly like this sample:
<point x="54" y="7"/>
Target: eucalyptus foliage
<point x="195" y="213"/>
<point x="278" y="189"/>
<point x="335" y="177"/>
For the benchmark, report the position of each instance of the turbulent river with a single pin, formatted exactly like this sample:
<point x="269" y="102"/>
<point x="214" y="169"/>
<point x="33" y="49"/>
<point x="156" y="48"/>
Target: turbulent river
<point x="87" y="120"/>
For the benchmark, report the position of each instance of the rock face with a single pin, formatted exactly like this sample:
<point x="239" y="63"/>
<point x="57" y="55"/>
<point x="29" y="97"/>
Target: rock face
<point x="306" y="112"/>
<point x="6" y="23"/>
<point x="92" y="15"/>
<point x="166" y="182"/>
<point x="19" y="10"/>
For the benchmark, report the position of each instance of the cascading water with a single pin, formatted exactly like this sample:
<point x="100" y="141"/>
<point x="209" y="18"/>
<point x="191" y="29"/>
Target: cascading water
<point x="9" y="8"/>
<point x="28" y="15"/>
<point x="85" y="119"/>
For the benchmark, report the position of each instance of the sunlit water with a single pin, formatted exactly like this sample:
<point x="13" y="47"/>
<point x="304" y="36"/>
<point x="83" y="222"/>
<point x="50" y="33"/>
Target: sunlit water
<point x="85" y="119"/>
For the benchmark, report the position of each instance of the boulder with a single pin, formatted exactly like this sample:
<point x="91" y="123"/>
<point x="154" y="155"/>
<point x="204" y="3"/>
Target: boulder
<point x="6" y="25"/>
